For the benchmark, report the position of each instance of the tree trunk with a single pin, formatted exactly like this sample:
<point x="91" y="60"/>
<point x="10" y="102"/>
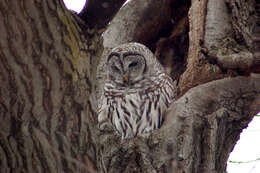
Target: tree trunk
<point x="49" y="59"/>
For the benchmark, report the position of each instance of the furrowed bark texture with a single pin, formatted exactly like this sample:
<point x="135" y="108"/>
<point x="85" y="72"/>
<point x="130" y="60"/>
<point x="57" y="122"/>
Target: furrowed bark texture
<point x="47" y="64"/>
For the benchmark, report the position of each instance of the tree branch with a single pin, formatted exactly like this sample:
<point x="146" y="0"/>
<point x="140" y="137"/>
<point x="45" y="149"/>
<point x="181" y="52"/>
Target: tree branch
<point x="215" y="112"/>
<point x="233" y="46"/>
<point x="99" y="13"/>
<point x="134" y="20"/>
<point x="204" y="124"/>
<point x="242" y="60"/>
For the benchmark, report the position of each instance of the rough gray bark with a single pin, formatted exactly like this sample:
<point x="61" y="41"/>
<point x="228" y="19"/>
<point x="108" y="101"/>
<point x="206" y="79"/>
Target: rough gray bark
<point x="47" y="67"/>
<point x="233" y="43"/>
<point x="48" y="62"/>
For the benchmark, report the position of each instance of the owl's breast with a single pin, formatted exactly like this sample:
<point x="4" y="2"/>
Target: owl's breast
<point x="134" y="111"/>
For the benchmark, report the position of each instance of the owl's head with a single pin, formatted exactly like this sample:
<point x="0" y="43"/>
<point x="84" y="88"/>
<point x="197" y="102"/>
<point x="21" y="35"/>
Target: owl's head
<point x="131" y="63"/>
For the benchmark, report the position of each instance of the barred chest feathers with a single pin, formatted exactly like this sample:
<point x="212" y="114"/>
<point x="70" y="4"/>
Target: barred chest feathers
<point x="134" y="113"/>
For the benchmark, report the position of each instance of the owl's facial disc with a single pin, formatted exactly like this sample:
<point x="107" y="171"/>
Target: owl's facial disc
<point x="115" y="69"/>
<point x="134" y="67"/>
<point x="126" y="69"/>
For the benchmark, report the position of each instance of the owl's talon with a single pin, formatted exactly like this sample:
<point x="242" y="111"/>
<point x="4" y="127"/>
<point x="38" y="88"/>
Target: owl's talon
<point x="105" y="126"/>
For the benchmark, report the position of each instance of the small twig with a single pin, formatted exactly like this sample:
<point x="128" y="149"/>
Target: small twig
<point x="239" y="162"/>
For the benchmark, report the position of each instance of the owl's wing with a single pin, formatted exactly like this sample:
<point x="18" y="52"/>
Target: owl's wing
<point x="167" y="95"/>
<point x="103" y="112"/>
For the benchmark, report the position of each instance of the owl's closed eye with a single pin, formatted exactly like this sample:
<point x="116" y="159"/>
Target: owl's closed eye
<point x="137" y="91"/>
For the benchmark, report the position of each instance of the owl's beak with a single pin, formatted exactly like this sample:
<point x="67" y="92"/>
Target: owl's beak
<point x="126" y="78"/>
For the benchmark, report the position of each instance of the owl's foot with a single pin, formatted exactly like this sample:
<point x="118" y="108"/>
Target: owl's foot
<point x="105" y="126"/>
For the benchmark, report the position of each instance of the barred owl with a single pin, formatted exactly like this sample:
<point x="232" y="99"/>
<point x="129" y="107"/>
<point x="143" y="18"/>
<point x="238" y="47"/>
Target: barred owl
<point x="137" y="91"/>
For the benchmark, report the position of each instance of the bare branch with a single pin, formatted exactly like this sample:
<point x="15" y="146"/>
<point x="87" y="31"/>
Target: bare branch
<point x="242" y="60"/>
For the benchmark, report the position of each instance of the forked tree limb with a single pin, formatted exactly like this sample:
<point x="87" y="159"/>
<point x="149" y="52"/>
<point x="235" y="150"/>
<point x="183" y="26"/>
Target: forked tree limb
<point x="199" y="131"/>
<point x="200" y="128"/>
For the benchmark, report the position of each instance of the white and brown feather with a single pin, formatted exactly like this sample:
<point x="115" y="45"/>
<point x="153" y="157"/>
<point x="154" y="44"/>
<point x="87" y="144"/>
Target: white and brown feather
<point x="140" y="108"/>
